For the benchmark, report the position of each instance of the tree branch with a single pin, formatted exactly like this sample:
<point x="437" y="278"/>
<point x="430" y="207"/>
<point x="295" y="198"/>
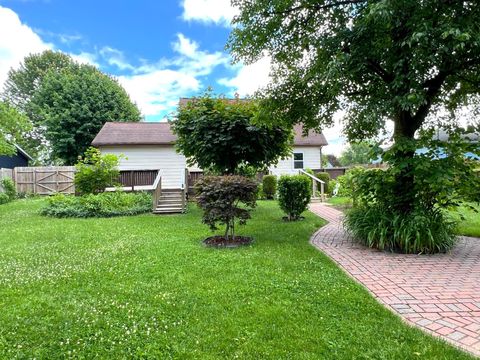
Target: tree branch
<point x="316" y="7"/>
<point x="377" y="69"/>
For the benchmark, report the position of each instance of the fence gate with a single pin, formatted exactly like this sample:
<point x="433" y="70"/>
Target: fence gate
<point x="45" y="180"/>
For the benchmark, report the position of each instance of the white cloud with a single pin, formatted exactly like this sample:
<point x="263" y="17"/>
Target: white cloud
<point x="209" y="11"/>
<point x="249" y="78"/>
<point x="85" y="58"/>
<point x="116" y="58"/>
<point x="156" y="88"/>
<point x="20" y="41"/>
<point x="160" y="90"/>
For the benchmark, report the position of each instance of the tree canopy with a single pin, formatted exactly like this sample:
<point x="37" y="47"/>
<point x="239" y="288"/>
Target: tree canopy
<point x="376" y="60"/>
<point x="12" y="126"/>
<point x="356" y="154"/>
<point x="21" y="85"/>
<point x="74" y="103"/>
<point x="221" y="134"/>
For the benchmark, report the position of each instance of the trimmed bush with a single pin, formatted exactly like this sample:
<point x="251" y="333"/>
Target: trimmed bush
<point x="107" y="204"/>
<point x="220" y="196"/>
<point x="95" y="172"/>
<point x="269" y="186"/>
<point x="9" y="188"/>
<point x="421" y="231"/>
<point x="294" y="193"/>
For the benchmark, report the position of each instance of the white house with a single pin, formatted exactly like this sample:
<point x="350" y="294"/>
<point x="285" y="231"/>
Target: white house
<point x="150" y="146"/>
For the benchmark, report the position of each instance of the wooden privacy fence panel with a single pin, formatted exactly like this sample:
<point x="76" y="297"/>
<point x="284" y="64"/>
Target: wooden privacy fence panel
<point x="45" y="180"/>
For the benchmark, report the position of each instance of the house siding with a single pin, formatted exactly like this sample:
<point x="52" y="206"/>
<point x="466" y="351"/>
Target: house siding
<point x="144" y="157"/>
<point x="10" y="162"/>
<point x="311" y="160"/>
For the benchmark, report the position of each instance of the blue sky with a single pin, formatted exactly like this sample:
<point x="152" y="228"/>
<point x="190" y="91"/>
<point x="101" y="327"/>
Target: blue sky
<point x="159" y="50"/>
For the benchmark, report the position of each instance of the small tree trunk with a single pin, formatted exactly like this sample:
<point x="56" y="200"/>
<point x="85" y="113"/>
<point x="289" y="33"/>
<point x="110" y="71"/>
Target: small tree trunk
<point x="405" y="180"/>
<point x="227" y="228"/>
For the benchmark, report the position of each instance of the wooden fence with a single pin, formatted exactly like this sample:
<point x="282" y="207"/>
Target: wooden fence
<point x="45" y="180"/>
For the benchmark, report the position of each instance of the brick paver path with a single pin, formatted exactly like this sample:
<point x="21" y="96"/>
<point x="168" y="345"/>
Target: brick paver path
<point x="438" y="293"/>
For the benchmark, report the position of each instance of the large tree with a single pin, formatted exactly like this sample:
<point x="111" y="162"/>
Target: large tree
<point x="74" y="103"/>
<point x="21" y="85"/>
<point x="356" y="154"/>
<point x="221" y="135"/>
<point x="12" y="127"/>
<point x="377" y="60"/>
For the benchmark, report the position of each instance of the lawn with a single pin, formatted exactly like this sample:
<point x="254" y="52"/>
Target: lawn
<point x="144" y="286"/>
<point x="470" y="225"/>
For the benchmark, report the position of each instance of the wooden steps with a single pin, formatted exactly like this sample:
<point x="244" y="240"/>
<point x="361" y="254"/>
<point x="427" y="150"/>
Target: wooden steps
<point x="170" y="201"/>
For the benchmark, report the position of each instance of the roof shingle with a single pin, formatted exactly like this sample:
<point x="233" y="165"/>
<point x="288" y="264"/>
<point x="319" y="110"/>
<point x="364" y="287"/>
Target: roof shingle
<point x="160" y="133"/>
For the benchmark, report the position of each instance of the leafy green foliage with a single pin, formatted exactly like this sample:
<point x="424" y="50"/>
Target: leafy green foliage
<point x="220" y="196"/>
<point x="442" y="177"/>
<point x="325" y="177"/>
<point x="294" y="194"/>
<point x="374" y="60"/>
<point x="20" y="87"/>
<point x="356" y="154"/>
<point x="221" y="135"/>
<point x="420" y="231"/>
<point x="107" y="204"/>
<point x="347" y="182"/>
<point x="269" y="186"/>
<point x="74" y="104"/>
<point x="12" y="126"/>
<point x="371" y="59"/>
<point x="4" y="198"/>
<point x="9" y="188"/>
<point x="95" y="172"/>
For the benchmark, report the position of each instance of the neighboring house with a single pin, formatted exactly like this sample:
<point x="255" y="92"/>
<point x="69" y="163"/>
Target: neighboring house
<point x="21" y="158"/>
<point x="150" y="146"/>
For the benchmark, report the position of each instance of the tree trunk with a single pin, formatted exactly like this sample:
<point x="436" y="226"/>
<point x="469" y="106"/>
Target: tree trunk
<point x="404" y="133"/>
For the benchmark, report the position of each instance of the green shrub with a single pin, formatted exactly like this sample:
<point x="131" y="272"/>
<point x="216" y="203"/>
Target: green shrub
<point x="4" y="198"/>
<point x="9" y="188"/>
<point x="331" y="186"/>
<point x="347" y="182"/>
<point x="107" y="204"/>
<point x="269" y="187"/>
<point x="421" y="231"/>
<point x="220" y="196"/>
<point x="294" y="194"/>
<point x="95" y="172"/>
<point x="325" y="177"/>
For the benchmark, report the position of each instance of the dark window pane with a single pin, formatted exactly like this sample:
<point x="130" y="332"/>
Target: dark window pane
<point x="297" y="156"/>
<point x="298" y="164"/>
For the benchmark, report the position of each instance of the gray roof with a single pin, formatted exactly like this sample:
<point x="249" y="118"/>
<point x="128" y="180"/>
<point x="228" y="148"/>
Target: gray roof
<point x="160" y="133"/>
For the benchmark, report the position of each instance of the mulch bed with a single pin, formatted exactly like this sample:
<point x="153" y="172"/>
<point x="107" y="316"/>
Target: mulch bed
<point x="222" y="242"/>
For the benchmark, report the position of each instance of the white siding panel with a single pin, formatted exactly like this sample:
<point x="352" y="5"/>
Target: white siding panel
<point x="311" y="160"/>
<point x="143" y="157"/>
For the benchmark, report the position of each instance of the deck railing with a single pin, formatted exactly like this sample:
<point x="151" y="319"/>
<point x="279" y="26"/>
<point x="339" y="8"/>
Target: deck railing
<point x="314" y="185"/>
<point x="157" y="190"/>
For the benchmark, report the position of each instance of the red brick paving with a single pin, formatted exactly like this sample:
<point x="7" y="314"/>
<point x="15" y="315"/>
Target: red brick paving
<point x="439" y="293"/>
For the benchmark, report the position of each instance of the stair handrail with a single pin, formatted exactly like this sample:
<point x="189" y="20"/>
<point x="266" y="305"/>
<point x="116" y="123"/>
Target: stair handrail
<point x="314" y="184"/>
<point x="157" y="190"/>
<point x="184" y="202"/>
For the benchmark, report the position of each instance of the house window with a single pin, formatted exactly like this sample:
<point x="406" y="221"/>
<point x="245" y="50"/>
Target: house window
<point x="298" y="160"/>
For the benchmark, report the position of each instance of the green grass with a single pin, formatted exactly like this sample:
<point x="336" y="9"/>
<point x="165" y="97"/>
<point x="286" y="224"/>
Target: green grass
<point x="470" y="225"/>
<point x="144" y="286"/>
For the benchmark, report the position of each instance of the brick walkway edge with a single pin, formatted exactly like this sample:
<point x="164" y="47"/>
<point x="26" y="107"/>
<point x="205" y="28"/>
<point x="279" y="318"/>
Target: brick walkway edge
<point x="438" y="293"/>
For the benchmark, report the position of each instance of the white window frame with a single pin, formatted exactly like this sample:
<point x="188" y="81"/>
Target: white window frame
<point x="303" y="160"/>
